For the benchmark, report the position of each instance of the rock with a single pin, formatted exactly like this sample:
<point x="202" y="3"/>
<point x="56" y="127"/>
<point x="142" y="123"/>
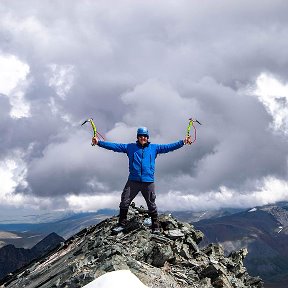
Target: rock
<point x="192" y="245"/>
<point x="174" y="234"/>
<point x="157" y="254"/>
<point x="168" y="222"/>
<point x="222" y="282"/>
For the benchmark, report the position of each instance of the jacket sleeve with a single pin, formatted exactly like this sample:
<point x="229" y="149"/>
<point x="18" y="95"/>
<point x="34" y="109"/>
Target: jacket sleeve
<point x="165" y="148"/>
<point x="116" y="147"/>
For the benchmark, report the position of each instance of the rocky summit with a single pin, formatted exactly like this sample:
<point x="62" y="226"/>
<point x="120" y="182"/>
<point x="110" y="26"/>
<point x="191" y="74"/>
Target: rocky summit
<point x="171" y="258"/>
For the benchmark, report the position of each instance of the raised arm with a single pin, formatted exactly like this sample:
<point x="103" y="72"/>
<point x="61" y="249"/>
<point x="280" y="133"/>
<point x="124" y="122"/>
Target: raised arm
<point x="116" y="147"/>
<point x="165" y="148"/>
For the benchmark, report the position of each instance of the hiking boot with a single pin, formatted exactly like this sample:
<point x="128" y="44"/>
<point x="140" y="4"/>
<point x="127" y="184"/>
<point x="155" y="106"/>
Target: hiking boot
<point x="156" y="227"/>
<point x="156" y="231"/>
<point x="155" y="223"/>
<point x="122" y="222"/>
<point x="122" y="217"/>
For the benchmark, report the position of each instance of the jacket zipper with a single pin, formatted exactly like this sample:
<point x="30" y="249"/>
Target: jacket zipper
<point x="142" y="161"/>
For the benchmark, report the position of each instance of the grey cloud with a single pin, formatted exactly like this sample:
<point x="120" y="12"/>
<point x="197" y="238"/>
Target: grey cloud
<point x="73" y="167"/>
<point x="152" y="64"/>
<point x="5" y="124"/>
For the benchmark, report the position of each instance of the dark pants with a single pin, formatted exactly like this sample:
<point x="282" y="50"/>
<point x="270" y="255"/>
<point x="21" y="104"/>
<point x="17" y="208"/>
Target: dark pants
<point x="132" y="188"/>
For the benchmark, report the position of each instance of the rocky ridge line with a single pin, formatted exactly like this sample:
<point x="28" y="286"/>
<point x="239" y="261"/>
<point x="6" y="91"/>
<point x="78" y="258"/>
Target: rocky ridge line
<point x="170" y="259"/>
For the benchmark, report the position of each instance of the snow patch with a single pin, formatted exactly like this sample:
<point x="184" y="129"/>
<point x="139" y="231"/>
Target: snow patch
<point x="116" y="279"/>
<point x="253" y="210"/>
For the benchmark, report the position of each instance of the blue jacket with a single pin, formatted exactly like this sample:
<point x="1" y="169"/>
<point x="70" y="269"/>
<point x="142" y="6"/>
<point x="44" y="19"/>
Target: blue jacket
<point x="141" y="159"/>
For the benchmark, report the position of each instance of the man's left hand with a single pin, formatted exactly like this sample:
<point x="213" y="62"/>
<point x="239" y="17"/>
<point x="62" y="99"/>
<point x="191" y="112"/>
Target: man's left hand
<point x="187" y="140"/>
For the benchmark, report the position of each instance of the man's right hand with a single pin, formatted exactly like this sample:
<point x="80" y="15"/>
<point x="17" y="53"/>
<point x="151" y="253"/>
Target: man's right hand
<point x="94" y="141"/>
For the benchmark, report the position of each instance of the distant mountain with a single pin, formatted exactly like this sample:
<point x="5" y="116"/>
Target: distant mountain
<point x="26" y="235"/>
<point x="25" y="239"/>
<point x="171" y="258"/>
<point x="16" y="216"/>
<point x="12" y="258"/>
<point x="191" y="216"/>
<point x="263" y="231"/>
<point x="47" y="244"/>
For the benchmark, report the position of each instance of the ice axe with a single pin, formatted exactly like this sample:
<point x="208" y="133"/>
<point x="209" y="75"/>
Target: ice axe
<point x="190" y="125"/>
<point x="95" y="132"/>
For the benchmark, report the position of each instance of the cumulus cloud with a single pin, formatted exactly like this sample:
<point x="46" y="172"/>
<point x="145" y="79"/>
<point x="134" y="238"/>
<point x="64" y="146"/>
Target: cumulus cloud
<point x="270" y="190"/>
<point x="274" y="96"/>
<point x="13" y="83"/>
<point x="140" y="63"/>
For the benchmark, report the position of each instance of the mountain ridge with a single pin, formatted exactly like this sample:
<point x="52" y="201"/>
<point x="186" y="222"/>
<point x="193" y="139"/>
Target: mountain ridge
<point x="12" y="258"/>
<point x="263" y="231"/>
<point x="170" y="259"/>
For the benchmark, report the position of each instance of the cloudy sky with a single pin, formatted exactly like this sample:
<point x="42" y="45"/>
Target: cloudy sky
<point x="131" y="63"/>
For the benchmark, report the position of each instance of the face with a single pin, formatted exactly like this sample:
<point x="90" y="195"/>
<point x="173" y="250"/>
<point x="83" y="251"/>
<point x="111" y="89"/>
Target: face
<point x="142" y="139"/>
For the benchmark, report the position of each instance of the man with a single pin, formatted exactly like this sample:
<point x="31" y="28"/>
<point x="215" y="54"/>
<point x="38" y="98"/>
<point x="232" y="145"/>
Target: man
<point x="141" y="155"/>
